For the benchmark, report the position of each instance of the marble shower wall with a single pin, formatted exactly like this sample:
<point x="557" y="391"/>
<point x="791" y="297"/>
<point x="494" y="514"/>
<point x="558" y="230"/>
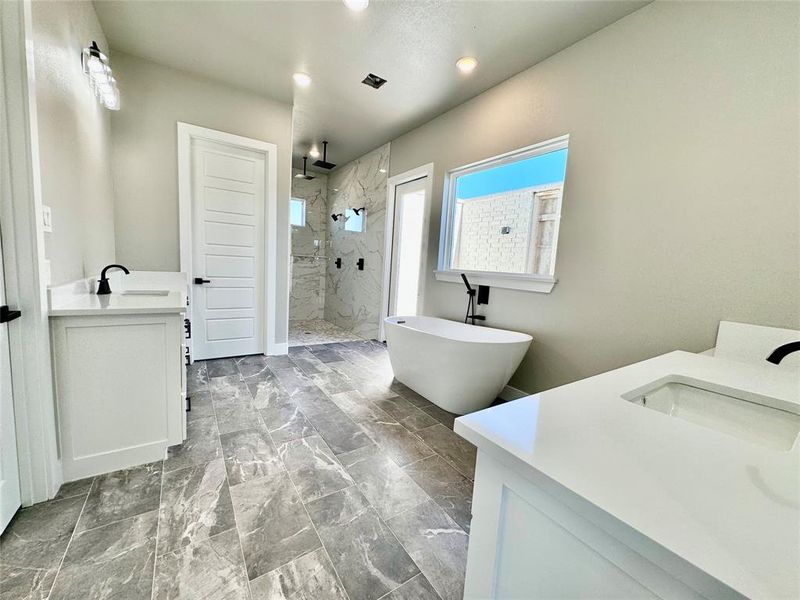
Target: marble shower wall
<point x="307" y="296"/>
<point x="353" y="297"/>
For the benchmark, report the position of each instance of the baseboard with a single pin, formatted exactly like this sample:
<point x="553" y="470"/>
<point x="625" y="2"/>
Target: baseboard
<point x="511" y="393"/>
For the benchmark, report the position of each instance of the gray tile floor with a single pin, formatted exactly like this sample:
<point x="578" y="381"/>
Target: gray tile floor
<point x="318" y="331"/>
<point x="309" y="476"/>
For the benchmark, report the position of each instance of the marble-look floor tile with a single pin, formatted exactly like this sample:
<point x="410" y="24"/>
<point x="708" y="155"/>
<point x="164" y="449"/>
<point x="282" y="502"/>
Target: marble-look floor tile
<point x="74" y="488"/>
<point x="339" y="431"/>
<point x="122" y="494"/>
<point x="310" y="577"/>
<point x="201" y="406"/>
<point x="273" y="524"/>
<point x="309" y="364"/>
<point x="292" y="379"/>
<point x="200" y="446"/>
<point x="18" y="583"/>
<point x="452" y="447"/>
<point x="249" y="454"/>
<point x="196" y="376"/>
<point x="313" y="468"/>
<point x="402" y="446"/>
<point x="325" y="354"/>
<point x="37" y="536"/>
<point x="195" y="505"/>
<point x="253" y="366"/>
<point x="418" y="420"/>
<point x="437" y="544"/>
<point x="332" y="382"/>
<point x="387" y="487"/>
<point x="448" y="488"/>
<point x="416" y="588"/>
<point x="312" y="401"/>
<point x="220" y="367"/>
<point x="409" y="394"/>
<point x="236" y="416"/>
<point x="399" y="408"/>
<point x="266" y="390"/>
<point x="279" y="362"/>
<point x="229" y="389"/>
<point x="445" y="418"/>
<point x="212" y="569"/>
<point x="367" y="556"/>
<point x="286" y="422"/>
<point x="111" y="561"/>
<point x="358" y="408"/>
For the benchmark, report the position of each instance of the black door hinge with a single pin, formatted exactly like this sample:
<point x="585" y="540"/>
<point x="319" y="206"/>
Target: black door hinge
<point x="6" y="314"/>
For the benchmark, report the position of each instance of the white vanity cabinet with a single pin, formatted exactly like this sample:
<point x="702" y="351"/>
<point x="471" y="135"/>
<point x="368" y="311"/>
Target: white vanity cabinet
<point x="120" y="378"/>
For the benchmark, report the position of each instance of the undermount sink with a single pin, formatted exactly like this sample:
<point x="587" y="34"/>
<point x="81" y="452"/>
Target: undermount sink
<point x="729" y="411"/>
<point x="145" y="292"/>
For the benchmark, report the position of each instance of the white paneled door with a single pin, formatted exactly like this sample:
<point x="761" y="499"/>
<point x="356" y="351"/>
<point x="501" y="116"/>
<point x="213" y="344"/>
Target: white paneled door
<point x="9" y="467"/>
<point x="228" y="246"/>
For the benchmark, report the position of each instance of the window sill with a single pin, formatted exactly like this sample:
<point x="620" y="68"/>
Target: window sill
<point x="527" y="283"/>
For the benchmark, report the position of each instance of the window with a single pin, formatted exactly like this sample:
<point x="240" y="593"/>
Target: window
<point x="297" y="212"/>
<point x="354" y="219"/>
<point x="501" y="216"/>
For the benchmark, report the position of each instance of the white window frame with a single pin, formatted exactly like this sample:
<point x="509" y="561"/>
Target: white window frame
<point x="304" y="203"/>
<point x="516" y="281"/>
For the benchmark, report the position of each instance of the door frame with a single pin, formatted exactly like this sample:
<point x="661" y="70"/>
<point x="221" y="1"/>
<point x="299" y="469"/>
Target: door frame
<point x="188" y="132"/>
<point x="26" y="271"/>
<point x="391" y="190"/>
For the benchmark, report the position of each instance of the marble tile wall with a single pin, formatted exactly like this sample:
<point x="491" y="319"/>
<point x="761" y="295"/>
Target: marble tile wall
<point x="307" y="296"/>
<point x="353" y="297"/>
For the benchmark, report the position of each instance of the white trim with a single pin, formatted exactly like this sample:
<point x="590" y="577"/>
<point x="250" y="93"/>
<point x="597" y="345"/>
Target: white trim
<point x="25" y="265"/>
<point x="509" y="393"/>
<point x="534" y="283"/>
<point x="391" y="186"/>
<point x="512" y="281"/>
<point x="186" y="133"/>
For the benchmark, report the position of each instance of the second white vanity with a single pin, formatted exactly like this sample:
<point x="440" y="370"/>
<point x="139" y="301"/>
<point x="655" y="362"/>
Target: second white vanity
<point x="120" y="376"/>
<point x="676" y="477"/>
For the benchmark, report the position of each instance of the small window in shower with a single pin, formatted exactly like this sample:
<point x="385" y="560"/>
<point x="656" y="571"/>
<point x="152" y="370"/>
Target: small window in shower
<point x="355" y="219"/>
<point x="297" y="212"/>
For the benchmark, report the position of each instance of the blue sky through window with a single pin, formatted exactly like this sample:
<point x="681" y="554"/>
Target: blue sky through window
<point x="297" y="212"/>
<point x="534" y="171"/>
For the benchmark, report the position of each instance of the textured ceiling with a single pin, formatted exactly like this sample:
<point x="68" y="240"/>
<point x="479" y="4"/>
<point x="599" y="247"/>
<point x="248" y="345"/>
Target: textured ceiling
<point x="258" y="45"/>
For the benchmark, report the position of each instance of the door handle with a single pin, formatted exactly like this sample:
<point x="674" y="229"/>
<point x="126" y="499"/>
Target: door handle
<point x="201" y="281"/>
<point x="6" y="314"/>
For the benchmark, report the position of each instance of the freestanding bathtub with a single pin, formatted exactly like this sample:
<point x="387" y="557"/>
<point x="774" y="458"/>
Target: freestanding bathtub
<point x="459" y="367"/>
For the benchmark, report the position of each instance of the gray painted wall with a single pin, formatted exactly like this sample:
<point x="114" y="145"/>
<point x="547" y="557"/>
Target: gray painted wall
<point x="74" y="142"/>
<point x="681" y="197"/>
<point x="353" y="297"/>
<point x="154" y="98"/>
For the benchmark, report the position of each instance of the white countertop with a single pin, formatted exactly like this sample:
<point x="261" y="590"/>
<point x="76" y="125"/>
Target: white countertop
<point x="77" y="299"/>
<point x="729" y="507"/>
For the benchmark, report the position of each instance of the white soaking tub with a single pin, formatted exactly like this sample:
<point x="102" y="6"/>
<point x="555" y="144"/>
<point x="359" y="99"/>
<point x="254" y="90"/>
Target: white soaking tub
<point x="459" y="367"/>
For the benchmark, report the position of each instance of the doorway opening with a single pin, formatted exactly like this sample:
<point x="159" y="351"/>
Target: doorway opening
<point x="408" y="217"/>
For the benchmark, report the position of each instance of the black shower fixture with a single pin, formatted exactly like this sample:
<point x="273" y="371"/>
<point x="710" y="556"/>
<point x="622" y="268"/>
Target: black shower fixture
<point x="337" y="216"/>
<point x="304" y="175"/>
<point x="324" y="164"/>
<point x="358" y="210"/>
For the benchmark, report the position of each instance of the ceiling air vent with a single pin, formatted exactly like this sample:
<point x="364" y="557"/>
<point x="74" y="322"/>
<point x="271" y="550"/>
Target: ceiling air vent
<point x="373" y="81"/>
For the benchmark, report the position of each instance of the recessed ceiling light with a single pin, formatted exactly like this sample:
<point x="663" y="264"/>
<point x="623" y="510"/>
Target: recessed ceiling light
<point x="314" y="152"/>
<point x="302" y="79"/>
<point x="356" y="5"/>
<point x="467" y="64"/>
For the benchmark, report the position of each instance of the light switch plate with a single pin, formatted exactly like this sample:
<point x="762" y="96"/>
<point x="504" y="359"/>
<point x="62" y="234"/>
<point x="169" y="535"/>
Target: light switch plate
<point x="47" y="219"/>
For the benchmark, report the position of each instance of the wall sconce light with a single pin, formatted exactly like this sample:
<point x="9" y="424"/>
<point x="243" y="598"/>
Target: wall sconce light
<point x="97" y="68"/>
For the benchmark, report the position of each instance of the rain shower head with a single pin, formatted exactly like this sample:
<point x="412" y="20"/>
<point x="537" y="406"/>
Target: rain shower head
<point x="324" y="164"/>
<point x="304" y="175"/>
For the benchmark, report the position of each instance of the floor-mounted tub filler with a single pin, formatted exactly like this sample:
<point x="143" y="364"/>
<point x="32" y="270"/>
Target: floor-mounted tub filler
<point x="459" y="367"/>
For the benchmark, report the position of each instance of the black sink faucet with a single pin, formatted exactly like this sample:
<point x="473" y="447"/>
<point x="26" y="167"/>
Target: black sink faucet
<point x="104" y="288"/>
<point x="782" y="351"/>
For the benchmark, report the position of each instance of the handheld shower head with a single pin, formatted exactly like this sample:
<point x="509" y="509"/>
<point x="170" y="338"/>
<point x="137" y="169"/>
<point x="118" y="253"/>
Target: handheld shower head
<point x="466" y="283"/>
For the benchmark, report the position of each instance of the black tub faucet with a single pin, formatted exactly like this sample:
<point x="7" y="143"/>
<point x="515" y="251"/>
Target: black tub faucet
<point x="103" y="287"/>
<point x="782" y="351"/>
